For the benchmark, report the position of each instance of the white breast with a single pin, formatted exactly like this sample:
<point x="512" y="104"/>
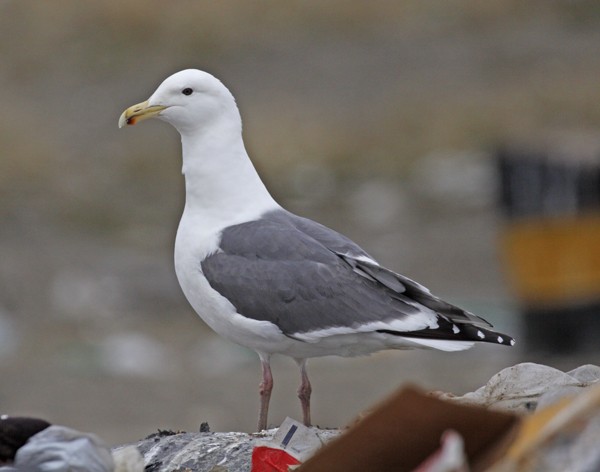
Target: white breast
<point x="197" y="237"/>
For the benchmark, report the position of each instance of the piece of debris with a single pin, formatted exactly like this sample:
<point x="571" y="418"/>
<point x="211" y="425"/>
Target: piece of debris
<point x="292" y="444"/>
<point x="521" y="387"/>
<point x="414" y="431"/>
<point x="14" y="433"/>
<point x="201" y="452"/>
<point x="204" y="427"/>
<point x="31" y="444"/>
<point x="527" y="418"/>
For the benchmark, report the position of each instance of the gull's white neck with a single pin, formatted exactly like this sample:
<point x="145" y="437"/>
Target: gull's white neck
<point x="222" y="185"/>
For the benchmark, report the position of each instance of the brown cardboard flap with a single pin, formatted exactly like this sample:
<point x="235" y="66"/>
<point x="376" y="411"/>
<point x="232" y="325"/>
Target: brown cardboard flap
<point x="405" y="429"/>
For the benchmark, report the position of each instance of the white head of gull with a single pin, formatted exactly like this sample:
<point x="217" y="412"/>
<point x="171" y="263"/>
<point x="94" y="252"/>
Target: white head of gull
<point x="275" y="282"/>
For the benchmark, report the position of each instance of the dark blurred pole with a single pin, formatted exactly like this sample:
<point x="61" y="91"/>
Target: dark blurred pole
<point x="551" y="244"/>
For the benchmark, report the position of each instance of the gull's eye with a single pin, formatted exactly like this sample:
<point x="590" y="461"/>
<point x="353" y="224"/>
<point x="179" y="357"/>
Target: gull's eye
<point x="187" y="91"/>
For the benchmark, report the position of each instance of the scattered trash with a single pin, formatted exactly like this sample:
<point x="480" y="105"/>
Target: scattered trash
<point x="527" y="418"/>
<point x="521" y="387"/>
<point x="562" y="434"/>
<point x="59" y="449"/>
<point x="292" y="444"/>
<point x="202" y="452"/>
<point x="204" y="427"/>
<point x="14" y="433"/>
<point x="404" y="432"/>
<point x="128" y="459"/>
<point x="30" y="444"/>
<point x="450" y="457"/>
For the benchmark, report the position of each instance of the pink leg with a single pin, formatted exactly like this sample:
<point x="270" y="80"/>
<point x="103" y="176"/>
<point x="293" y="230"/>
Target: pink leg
<point x="264" y="389"/>
<point x="304" y="392"/>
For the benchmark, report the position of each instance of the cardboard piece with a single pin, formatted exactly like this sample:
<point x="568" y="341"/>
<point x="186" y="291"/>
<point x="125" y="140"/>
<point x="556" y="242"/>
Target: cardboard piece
<point x="405" y="430"/>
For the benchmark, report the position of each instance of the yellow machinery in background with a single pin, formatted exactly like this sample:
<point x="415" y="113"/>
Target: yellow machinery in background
<point x="551" y="243"/>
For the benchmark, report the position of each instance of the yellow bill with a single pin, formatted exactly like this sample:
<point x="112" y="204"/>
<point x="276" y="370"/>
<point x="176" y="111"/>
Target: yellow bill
<point x="141" y="111"/>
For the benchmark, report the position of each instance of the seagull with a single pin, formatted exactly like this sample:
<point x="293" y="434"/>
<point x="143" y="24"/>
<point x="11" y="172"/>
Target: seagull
<point x="270" y="280"/>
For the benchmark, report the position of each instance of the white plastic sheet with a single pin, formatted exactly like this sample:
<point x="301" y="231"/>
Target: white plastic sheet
<point x="522" y="387"/>
<point x="61" y="449"/>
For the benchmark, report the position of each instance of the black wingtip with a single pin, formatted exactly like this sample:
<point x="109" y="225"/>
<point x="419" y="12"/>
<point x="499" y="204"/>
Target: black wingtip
<point x="489" y="336"/>
<point x="457" y="332"/>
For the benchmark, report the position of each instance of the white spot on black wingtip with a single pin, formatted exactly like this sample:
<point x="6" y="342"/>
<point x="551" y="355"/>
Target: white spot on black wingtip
<point x="512" y="342"/>
<point x="455" y="329"/>
<point x="480" y="334"/>
<point x="500" y="339"/>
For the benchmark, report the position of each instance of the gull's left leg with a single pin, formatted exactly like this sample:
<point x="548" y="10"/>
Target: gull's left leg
<point x="304" y="391"/>
<point x="265" y="388"/>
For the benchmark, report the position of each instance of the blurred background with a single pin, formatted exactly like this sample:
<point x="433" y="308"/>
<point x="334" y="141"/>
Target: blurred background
<point x="404" y="125"/>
